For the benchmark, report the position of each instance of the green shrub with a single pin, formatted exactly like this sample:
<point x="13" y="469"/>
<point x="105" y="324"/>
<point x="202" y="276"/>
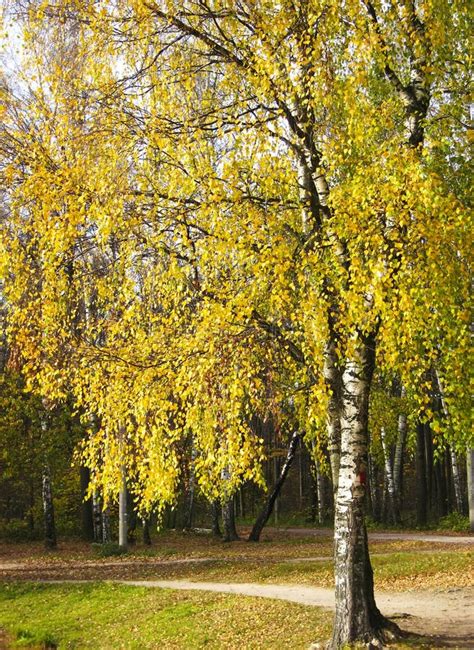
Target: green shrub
<point x="454" y="521"/>
<point x="17" y="530"/>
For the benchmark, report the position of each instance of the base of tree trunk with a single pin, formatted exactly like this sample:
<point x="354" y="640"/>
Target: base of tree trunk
<point x="384" y="633"/>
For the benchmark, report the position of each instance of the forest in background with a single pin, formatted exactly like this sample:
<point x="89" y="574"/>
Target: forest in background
<point x="413" y="483"/>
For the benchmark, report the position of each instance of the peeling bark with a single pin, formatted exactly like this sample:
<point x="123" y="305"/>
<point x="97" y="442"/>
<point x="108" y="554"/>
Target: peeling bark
<point x="392" y="496"/>
<point x="357" y="618"/>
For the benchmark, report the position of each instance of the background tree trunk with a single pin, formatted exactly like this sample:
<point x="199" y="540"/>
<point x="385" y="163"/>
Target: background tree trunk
<point x="146" y="531"/>
<point x="189" y="495"/>
<point x="421" y="495"/>
<point x="264" y="515"/>
<point x="470" y="485"/>
<point x="97" y="517"/>
<point x="456" y="480"/>
<point x="123" y="515"/>
<point x="392" y="496"/>
<point x="50" y="539"/>
<point x="399" y="453"/>
<point x="228" y="521"/>
<point x="215" y="518"/>
<point x="321" y="481"/>
<point x="105" y="526"/>
<point x="87" y="516"/>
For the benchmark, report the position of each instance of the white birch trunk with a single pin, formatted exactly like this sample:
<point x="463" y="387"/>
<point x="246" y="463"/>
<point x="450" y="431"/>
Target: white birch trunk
<point x="453" y="455"/>
<point x="470" y="486"/>
<point x="399" y="451"/>
<point x="357" y="618"/>
<point x="228" y="514"/>
<point x="97" y="517"/>
<point x="106" y="536"/>
<point x="123" y="516"/>
<point x="456" y="480"/>
<point x="50" y="540"/>
<point x="392" y="496"/>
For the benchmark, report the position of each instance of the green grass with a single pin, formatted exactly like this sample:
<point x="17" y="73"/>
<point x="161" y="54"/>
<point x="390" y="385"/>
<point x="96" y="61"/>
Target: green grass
<point x="105" y="615"/>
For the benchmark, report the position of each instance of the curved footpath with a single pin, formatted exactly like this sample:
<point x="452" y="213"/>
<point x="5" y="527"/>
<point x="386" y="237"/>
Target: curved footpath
<point x="378" y="536"/>
<point x="458" y="603"/>
<point x="445" y="617"/>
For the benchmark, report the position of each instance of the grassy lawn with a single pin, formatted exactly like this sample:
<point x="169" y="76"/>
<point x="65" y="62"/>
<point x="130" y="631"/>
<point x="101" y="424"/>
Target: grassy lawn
<point x="104" y="615"/>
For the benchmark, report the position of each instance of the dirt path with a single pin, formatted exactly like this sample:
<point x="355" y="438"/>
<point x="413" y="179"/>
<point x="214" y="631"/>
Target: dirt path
<point x="453" y="605"/>
<point x="445" y="617"/>
<point x="379" y="536"/>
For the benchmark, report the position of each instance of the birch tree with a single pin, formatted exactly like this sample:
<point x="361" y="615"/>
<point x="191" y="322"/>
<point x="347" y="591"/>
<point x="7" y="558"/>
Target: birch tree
<point x="273" y="172"/>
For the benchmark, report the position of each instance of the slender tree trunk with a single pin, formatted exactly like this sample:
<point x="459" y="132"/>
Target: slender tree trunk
<point x="123" y="515"/>
<point x="470" y="485"/>
<point x="314" y="494"/>
<point x="228" y="514"/>
<point x="105" y="525"/>
<point x="97" y="517"/>
<point x="454" y="461"/>
<point x="275" y="479"/>
<point x="456" y="480"/>
<point x="86" y="506"/>
<point x="50" y="540"/>
<point x="189" y="496"/>
<point x="429" y="459"/>
<point x="228" y="521"/>
<point x="215" y="519"/>
<point x="421" y="500"/>
<point x="241" y="503"/>
<point x="146" y="531"/>
<point x="441" y="488"/>
<point x="31" y="517"/>
<point x="399" y="453"/>
<point x="132" y="510"/>
<point x="392" y="496"/>
<point x="300" y="478"/>
<point x="266" y="512"/>
<point x="373" y="489"/>
<point x="357" y="618"/>
<point x="321" y="493"/>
